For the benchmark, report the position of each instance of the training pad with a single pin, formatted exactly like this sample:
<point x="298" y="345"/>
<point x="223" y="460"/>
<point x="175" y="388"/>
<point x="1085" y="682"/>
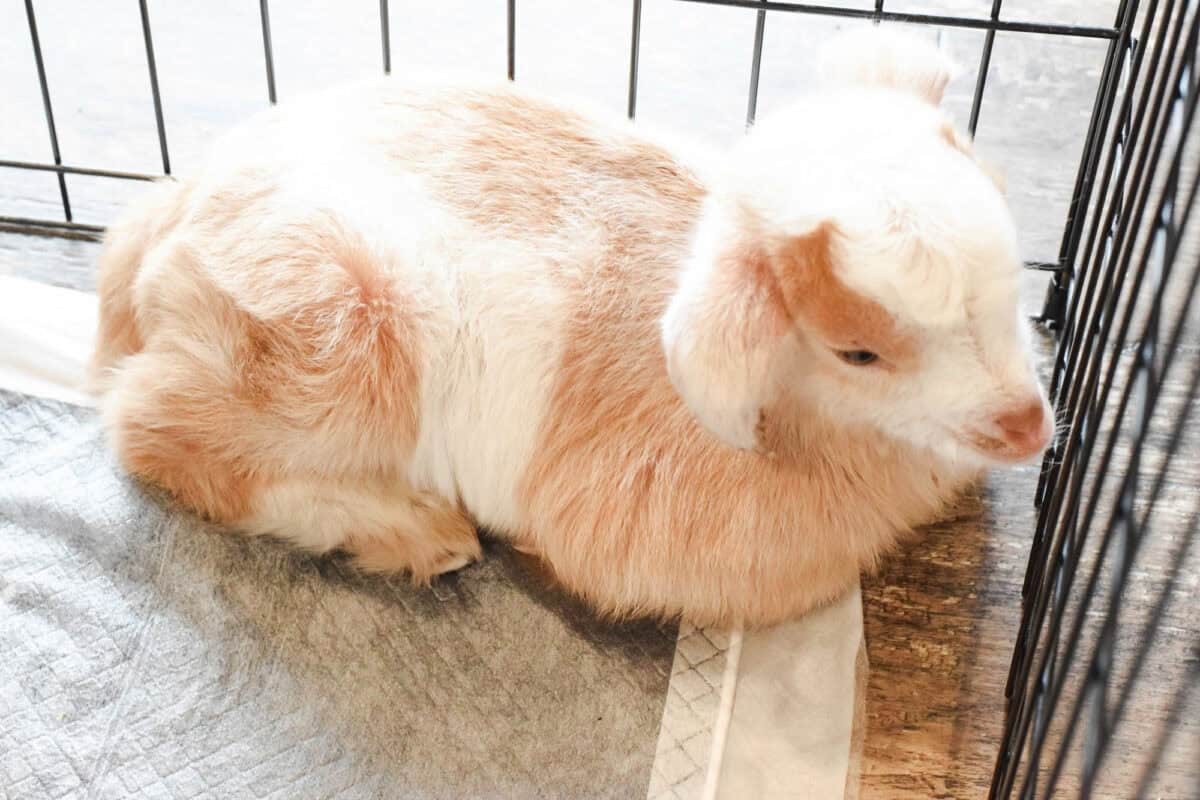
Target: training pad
<point x="146" y="653"/>
<point x="89" y="706"/>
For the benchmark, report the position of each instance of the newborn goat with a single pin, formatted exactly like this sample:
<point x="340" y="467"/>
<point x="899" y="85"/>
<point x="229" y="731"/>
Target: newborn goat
<point x="715" y="387"/>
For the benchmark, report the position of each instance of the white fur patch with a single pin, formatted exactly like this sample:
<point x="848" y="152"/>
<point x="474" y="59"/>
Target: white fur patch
<point x="490" y="340"/>
<point x="490" y="353"/>
<point x="320" y="516"/>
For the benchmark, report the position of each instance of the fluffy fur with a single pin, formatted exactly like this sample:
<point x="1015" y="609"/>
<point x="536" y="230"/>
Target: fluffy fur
<point x="385" y="315"/>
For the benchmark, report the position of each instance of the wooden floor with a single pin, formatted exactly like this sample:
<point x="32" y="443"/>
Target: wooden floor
<point x="942" y="615"/>
<point x="940" y="619"/>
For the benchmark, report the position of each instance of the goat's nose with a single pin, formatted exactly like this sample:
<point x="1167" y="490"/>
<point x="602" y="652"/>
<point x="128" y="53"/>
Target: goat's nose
<point x="1024" y="426"/>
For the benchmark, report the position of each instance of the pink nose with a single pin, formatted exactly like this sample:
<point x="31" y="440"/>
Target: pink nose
<point x="1024" y="427"/>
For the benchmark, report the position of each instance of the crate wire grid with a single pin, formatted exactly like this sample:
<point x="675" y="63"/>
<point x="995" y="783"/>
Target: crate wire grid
<point x="1125" y="304"/>
<point x="1137" y="124"/>
<point x="68" y="226"/>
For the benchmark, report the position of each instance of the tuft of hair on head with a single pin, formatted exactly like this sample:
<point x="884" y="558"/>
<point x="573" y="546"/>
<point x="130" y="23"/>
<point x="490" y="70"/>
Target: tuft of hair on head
<point x="880" y="56"/>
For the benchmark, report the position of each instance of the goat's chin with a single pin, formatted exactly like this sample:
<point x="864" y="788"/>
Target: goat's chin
<point x="968" y="459"/>
<point x="995" y="452"/>
<point x="946" y="454"/>
<point x="1012" y="458"/>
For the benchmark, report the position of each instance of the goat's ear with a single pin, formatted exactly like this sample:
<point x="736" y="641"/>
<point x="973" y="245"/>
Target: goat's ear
<point x="726" y="333"/>
<point x="880" y="56"/>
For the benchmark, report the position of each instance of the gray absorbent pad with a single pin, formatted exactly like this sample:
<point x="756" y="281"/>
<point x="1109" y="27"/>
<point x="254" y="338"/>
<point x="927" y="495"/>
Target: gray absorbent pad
<point x="144" y="653"/>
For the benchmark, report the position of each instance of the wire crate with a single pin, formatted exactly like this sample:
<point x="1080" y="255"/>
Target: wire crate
<point x="1122" y="477"/>
<point x="1121" y="481"/>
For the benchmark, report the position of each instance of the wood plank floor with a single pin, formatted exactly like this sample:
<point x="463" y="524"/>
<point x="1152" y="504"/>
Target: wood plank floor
<point x="942" y="615"/>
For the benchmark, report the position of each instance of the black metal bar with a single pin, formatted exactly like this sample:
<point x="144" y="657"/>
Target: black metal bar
<point x="153" y="68"/>
<point x="1125" y="49"/>
<point x="1100" y="302"/>
<point x="385" y="36"/>
<point x="1141" y="186"/>
<point x="511" y="19"/>
<point x="1072" y="337"/>
<point x="985" y="60"/>
<point x="1054" y="308"/>
<point x="1051" y="474"/>
<point x="49" y="227"/>
<point x="63" y="169"/>
<point x="1144" y="383"/>
<point x="1121" y="515"/>
<point x="1056" y="302"/>
<point x="760" y="24"/>
<point x="1072" y="401"/>
<point x="1035" y="614"/>
<point x="1061" y="307"/>
<point x="46" y="105"/>
<point x="268" y="54"/>
<point x="635" y="46"/>
<point x="944" y="20"/>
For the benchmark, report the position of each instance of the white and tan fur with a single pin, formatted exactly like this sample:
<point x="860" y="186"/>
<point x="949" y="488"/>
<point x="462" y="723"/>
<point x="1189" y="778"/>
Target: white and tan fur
<point x="383" y="316"/>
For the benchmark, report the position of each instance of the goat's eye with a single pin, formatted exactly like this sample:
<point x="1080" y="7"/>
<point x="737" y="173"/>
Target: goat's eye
<point x="858" y="358"/>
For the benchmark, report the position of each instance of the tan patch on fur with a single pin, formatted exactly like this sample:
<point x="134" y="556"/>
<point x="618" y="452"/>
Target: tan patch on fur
<point x="125" y="246"/>
<point x="269" y="349"/>
<point x="751" y="270"/>
<point x="639" y="510"/>
<point x="163" y="428"/>
<point x="844" y="318"/>
<point x="442" y="540"/>
<point x="504" y="159"/>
